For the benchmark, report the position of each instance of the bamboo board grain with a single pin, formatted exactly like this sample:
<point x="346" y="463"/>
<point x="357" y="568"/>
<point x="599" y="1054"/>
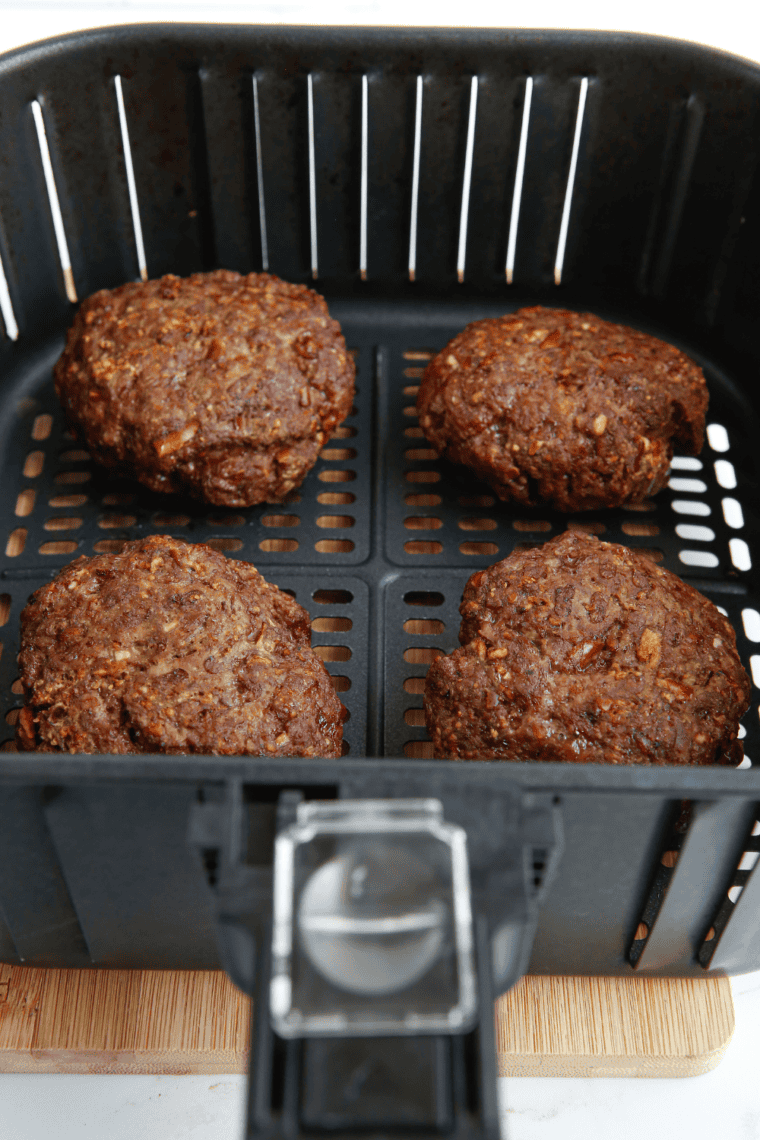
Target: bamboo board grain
<point x="123" y="1021"/>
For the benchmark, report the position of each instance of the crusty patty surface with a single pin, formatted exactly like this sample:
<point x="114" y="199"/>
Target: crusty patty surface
<point x="550" y="406"/>
<point x="587" y="651"/>
<point x="221" y="386"/>
<point x="169" y="647"/>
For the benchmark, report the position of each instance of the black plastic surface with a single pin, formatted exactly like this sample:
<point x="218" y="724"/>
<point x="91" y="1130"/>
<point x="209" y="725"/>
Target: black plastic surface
<point x="663" y="234"/>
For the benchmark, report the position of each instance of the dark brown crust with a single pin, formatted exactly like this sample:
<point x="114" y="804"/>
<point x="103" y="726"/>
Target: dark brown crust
<point x="221" y="386"/>
<point x="169" y="647"/>
<point x="583" y="650"/>
<point x="562" y="408"/>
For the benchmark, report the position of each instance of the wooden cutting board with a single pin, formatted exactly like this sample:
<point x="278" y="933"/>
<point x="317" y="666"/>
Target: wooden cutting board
<point x="124" y="1021"/>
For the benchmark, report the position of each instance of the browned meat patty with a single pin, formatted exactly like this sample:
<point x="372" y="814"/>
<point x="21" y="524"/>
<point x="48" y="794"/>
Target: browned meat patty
<point x="562" y="408"/>
<point x="168" y="647"/>
<point x="586" y="651"/>
<point x="221" y="386"/>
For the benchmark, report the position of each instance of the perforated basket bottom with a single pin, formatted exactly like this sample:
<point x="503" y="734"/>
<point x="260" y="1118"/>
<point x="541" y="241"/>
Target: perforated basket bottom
<point x="380" y="539"/>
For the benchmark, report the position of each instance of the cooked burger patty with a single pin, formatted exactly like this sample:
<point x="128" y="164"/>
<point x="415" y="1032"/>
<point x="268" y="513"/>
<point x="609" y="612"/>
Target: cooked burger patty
<point x="221" y="386"/>
<point x="549" y="406"/>
<point x="586" y="651"/>
<point x="168" y="647"/>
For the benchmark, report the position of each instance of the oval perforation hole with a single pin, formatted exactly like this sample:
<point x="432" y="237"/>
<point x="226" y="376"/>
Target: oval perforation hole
<point x="33" y="464"/>
<point x="234" y="520"/>
<point x="725" y="473"/>
<point x="417" y="354"/>
<point x="687" y="486"/>
<point x="532" y="526"/>
<point x="17" y="688"/>
<point x="425" y="626"/>
<point x="587" y="527"/>
<point x="751" y="623"/>
<point x="71" y="478"/>
<point x="733" y="513"/>
<point x="477" y="524"/>
<point x="339" y="476"/>
<point x="420" y="547"/>
<point x="650" y="552"/>
<point x="116" y="522"/>
<point x="642" y="932"/>
<point x="345" y="748"/>
<point x="419" y="454"/>
<point x="63" y="523"/>
<point x="690" y="507"/>
<point x="332" y="597"/>
<point x="410" y="411"/>
<point x="414" y="685"/>
<point x="225" y="545"/>
<point x="669" y="858"/>
<point x="423" y="522"/>
<point x="336" y="498"/>
<point x="413" y="372"/>
<point x="640" y="530"/>
<point x="415" y="718"/>
<point x="25" y="503"/>
<point x="478" y="548"/>
<point x="110" y="545"/>
<point x="67" y="501"/>
<point x="685" y="463"/>
<point x="334" y="546"/>
<point x="414" y="433"/>
<point x="5" y="608"/>
<point x="280" y="520"/>
<point x="337" y="454"/>
<point x="333" y="652"/>
<point x="643" y="506"/>
<point x="419" y="749"/>
<point x="519" y="546"/>
<point x="411" y="391"/>
<point x="11" y="717"/>
<point x="74" y="455"/>
<point x="717" y="437"/>
<point x="424" y="598"/>
<point x="419" y="655"/>
<point x="332" y="624"/>
<point x="698" y="558"/>
<point x="66" y="546"/>
<point x="16" y="542"/>
<point x="42" y="427"/>
<point x="335" y="522"/>
<point x="423" y="476"/>
<point x="341" y="684"/>
<point x="170" y="520"/>
<point x="274" y="545"/>
<point x="9" y="746"/>
<point x="423" y="500"/>
<point x="345" y="431"/>
<point x="740" y="555"/>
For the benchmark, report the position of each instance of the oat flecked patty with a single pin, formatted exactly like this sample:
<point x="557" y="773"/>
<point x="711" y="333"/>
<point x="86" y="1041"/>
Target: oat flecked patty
<point x="562" y="408"/>
<point x="220" y="386"/>
<point x="586" y="651"/>
<point x="168" y="647"/>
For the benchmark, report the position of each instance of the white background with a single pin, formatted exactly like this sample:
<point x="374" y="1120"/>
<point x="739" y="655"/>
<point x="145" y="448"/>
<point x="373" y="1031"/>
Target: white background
<point x="723" y="1104"/>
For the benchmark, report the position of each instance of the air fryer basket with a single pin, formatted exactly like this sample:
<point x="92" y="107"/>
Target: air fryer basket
<point x="419" y="179"/>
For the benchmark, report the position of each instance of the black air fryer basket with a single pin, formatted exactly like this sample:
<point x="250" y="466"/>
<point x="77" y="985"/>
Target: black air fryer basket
<point x="420" y="180"/>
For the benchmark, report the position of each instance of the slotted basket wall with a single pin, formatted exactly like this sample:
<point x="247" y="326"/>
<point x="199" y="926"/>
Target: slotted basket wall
<point x="419" y="180"/>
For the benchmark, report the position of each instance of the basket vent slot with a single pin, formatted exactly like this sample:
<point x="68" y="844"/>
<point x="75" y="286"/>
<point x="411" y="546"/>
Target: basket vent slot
<point x="415" y="180"/>
<point x="744" y="868"/>
<point x="514" y="219"/>
<point x="131" y="184"/>
<point x="55" y="206"/>
<point x="559" y="260"/>
<point x="6" y="306"/>
<point x="467" y="180"/>
<point x="260" y="178"/>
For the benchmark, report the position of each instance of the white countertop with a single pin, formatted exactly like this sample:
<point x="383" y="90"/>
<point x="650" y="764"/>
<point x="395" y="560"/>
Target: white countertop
<point x="725" y="1103"/>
